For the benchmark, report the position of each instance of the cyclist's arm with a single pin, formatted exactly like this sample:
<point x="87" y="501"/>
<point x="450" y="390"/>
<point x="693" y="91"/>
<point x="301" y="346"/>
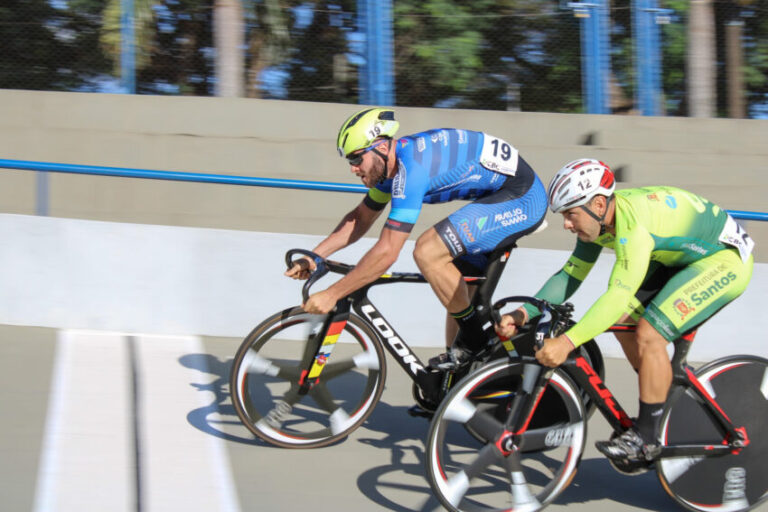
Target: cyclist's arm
<point x="567" y="280"/>
<point x="354" y="224"/>
<point x="373" y="264"/>
<point x="632" y="259"/>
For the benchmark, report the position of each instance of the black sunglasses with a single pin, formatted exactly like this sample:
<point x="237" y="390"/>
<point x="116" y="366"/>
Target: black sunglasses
<point x="357" y="158"/>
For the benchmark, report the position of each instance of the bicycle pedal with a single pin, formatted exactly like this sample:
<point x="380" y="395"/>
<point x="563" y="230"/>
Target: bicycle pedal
<point x="419" y="412"/>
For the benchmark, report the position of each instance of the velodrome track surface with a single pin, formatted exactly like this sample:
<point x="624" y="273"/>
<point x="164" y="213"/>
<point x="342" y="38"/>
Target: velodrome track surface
<point x="95" y="421"/>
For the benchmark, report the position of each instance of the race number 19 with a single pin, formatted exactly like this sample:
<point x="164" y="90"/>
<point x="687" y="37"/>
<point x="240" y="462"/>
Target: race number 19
<point x="497" y="155"/>
<point x="501" y="149"/>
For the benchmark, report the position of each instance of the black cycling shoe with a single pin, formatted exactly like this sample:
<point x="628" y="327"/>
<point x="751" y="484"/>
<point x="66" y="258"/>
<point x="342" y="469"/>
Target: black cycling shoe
<point x="450" y="360"/>
<point x="628" y="447"/>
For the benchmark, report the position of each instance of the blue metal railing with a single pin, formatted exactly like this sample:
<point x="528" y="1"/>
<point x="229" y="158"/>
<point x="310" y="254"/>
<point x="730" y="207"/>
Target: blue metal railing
<point x="224" y="179"/>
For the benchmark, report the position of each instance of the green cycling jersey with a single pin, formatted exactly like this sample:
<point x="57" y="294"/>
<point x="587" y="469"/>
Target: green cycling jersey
<point x="664" y="224"/>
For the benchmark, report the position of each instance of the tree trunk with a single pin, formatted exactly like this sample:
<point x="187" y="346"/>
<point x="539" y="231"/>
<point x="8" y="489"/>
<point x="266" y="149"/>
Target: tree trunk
<point x="701" y="59"/>
<point x="229" y="37"/>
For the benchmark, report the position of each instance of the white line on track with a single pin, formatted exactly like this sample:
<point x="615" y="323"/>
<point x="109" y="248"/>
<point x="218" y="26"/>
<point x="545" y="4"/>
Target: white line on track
<point x="185" y="468"/>
<point x="88" y="461"/>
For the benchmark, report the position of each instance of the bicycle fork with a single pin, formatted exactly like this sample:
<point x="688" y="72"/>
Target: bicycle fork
<point x="317" y="354"/>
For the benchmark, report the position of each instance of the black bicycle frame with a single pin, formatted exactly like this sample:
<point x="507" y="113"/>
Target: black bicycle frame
<point x="394" y="344"/>
<point x="585" y="376"/>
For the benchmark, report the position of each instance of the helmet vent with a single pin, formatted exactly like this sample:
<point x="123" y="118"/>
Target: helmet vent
<point x="354" y="120"/>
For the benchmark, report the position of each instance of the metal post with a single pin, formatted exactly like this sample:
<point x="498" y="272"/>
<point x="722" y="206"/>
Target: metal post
<point x="41" y="200"/>
<point x="643" y="92"/>
<point x="647" y="16"/>
<point x="376" y="74"/>
<point x="603" y="44"/>
<point x="596" y="68"/>
<point x="127" y="47"/>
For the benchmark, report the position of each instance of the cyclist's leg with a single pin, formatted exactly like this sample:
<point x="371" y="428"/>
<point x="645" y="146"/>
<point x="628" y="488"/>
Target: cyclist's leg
<point x="436" y="263"/>
<point x="657" y="277"/>
<point x="451" y="325"/>
<point x="628" y="342"/>
<point x="690" y="297"/>
<point x="477" y="229"/>
<point x="697" y="292"/>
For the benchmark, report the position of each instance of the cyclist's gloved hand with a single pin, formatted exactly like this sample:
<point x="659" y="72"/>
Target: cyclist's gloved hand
<point x="509" y="323"/>
<point x="301" y="268"/>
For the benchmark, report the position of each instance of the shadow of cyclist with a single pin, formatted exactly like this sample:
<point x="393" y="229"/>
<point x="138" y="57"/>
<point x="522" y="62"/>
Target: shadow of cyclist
<point x="401" y="481"/>
<point x="597" y="480"/>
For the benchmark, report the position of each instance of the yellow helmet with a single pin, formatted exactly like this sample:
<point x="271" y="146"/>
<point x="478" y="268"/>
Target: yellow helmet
<point x="364" y="127"/>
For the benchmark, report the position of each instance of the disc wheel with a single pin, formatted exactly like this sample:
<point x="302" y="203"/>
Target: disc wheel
<point x="734" y="482"/>
<point x="265" y="376"/>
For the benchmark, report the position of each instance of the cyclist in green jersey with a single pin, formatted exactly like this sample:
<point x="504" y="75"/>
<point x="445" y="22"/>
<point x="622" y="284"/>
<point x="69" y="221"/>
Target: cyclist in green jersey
<point x="679" y="259"/>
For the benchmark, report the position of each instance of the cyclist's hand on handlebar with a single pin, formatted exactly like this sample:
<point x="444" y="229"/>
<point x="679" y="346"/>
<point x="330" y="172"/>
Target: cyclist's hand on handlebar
<point x="320" y="303"/>
<point x="555" y="351"/>
<point x="301" y="268"/>
<point x="507" y="328"/>
<point x="509" y="323"/>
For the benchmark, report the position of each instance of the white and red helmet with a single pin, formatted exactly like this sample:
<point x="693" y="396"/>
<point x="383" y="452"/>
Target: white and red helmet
<point x="579" y="181"/>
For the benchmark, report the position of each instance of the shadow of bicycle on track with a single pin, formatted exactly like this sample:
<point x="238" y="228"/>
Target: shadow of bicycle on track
<point x="596" y="480"/>
<point x="217" y="418"/>
<point x="401" y="483"/>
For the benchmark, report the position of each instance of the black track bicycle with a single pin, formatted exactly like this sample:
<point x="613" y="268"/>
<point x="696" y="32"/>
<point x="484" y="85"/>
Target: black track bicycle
<point x="488" y="448"/>
<point x="304" y="381"/>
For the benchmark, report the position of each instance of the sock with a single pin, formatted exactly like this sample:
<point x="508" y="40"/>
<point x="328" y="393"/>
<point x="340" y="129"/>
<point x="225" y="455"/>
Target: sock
<point x="648" y="419"/>
<point x="471" y="334"/>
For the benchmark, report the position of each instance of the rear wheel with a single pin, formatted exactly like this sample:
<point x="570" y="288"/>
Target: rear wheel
<point x="264" y="382"/>
<point x="734" y="482"/>
<point x="474" y="464"/>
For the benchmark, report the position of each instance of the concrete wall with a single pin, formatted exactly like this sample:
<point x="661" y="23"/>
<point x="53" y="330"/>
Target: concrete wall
<point x="138" y="278"/>
<point x="224" y="275"/>
<point x="725" y="160"/>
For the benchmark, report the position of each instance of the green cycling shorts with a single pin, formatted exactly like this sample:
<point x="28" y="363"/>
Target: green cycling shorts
<point x="696" y="292"/>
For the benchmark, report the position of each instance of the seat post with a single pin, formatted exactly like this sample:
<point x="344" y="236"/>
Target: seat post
<point x="680" y="355"/>
<point x="497" y="261"/>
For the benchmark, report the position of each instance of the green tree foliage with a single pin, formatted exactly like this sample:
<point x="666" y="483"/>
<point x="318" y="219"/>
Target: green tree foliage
<point x="519" y="54"/>
<point x="173" y="44"/>
<point x="47" y="48"/>
<point x="317" y="65"/>
<point x="485" y="54"/>
<point x="753" y="15"/>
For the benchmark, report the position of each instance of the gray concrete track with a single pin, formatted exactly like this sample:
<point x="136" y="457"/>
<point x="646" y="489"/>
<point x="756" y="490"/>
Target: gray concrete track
<point x="379" y="467"/>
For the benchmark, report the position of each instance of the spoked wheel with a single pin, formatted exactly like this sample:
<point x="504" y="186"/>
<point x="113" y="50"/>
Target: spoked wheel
<point x="264" y="382"/>
<point x="473" y="463"/>
<point x="734" y="482"/>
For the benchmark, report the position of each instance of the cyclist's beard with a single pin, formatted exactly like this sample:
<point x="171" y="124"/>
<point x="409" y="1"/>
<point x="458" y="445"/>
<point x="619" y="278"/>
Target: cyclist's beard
<point x="377" y="175"/>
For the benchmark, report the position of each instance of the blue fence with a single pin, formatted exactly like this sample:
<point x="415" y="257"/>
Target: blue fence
<point x="222" y="179"/>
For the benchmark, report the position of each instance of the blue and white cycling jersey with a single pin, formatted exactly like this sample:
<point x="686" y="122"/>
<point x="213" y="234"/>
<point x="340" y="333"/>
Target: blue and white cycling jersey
<point x="438" y="166"/>
<point x="441" y="165"/>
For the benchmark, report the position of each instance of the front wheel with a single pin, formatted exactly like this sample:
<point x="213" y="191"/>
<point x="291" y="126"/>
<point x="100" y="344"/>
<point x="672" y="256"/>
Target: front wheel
<point x="264" y="382"/>
<point x="734" y="482"/>
<point x="473" y="463"/>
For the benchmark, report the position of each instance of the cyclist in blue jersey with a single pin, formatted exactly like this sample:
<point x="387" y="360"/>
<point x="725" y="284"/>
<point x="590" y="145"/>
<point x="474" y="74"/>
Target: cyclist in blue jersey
<point x="435" y="166"/>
